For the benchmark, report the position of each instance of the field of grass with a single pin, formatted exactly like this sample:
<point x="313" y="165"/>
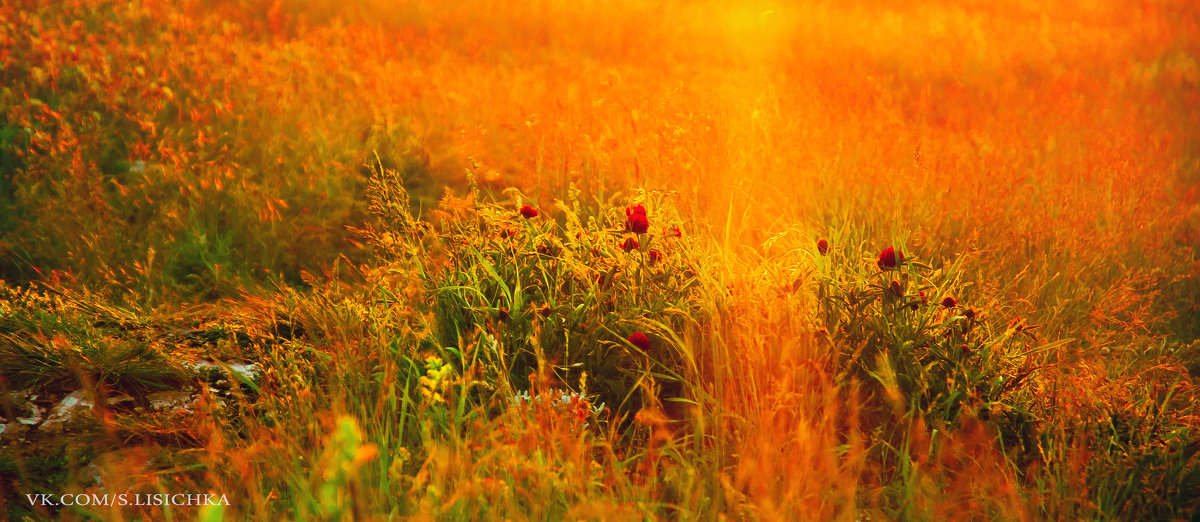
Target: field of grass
<point x="623" y="260"/>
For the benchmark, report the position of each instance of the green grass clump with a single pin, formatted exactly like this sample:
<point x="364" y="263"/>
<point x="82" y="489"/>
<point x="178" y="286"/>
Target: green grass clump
<point x="554" y="296"/>
<point x="50" y="340"/>
<point x="903" y="327"/>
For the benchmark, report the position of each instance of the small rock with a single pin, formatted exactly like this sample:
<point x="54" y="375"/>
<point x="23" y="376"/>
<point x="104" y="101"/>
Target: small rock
<point x="169" y="400"/>
<point x="12" y="432"/>
<point x="21" y="403"/>
<point x="32" y="419"/>
<point x="118" y="400"/>
<point x="66" y="411"/>
<point x="71" y="408"/>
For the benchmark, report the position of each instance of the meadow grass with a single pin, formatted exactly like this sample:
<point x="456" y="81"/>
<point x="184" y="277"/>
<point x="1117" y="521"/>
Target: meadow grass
<point x="420" y="220"/>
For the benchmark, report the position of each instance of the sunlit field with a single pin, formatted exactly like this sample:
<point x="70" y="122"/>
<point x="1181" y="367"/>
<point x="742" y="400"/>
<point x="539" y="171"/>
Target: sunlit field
<point x="584" y="260"/>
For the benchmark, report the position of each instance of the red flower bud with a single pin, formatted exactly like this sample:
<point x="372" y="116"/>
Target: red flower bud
<point x="637" y="223"/>
<point x="949" y="302"/>
<point x="889" y="258"/>
<point x="629" y="244"/>
<point x="529" y="212"/>
<point x="822" y="246"/>
<point x="639" y="340"/>
<point x="655" y="256"/>
<point x="896" y="289"/>
<point x="635" y="210"/>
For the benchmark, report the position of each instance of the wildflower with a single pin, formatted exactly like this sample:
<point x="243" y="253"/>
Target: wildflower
<point x="889" y="258"/>
<point x="970" y="313"/>
<point x="896" y="288"/>
<point x="822" y="246"/>
<point x="639" y="340"/>
<point x="545" y="311"/>
<point x="633" y="210"/>
<point x="502" y="314"/>
<point x="637" y="223"/>
<point x="436" y="380"/>
<point x="949" y="302"/>
<point x="629" y="244"/>
<point x="919" y="302"/>
<point x="674" y="232"/>
<point x="655" y="256"/>
<point x="529" y="212"/>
